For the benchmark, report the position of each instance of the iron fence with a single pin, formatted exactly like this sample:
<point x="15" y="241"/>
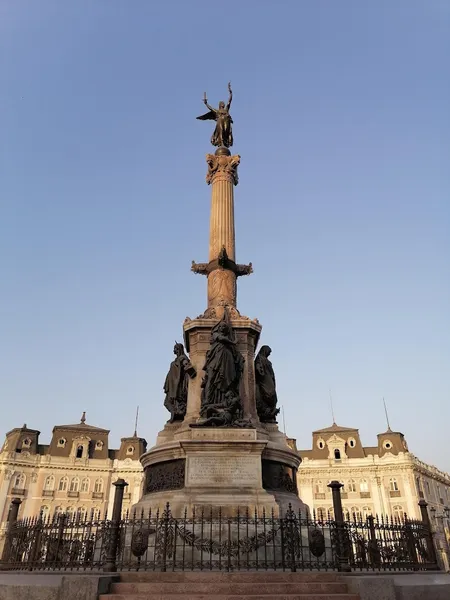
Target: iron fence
<point x="209" y="539"/>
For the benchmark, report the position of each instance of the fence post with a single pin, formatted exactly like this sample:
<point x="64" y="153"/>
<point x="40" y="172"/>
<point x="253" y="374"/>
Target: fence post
<point x="12" y="520"/>
<point x="431" y="551"/>
<point x="110" y="565"/>
<point x="374" y="551"/>
<point x="341" y="534"/>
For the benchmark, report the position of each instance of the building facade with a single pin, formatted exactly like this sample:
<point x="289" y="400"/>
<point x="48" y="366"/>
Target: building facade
<point x="385" y="479"/>
<point x="74" y="474"/>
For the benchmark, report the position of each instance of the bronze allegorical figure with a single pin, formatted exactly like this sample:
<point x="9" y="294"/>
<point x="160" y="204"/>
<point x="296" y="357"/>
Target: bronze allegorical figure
<point x="223" y="133"/>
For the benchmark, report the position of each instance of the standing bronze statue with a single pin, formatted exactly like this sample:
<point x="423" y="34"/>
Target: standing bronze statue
<point x="176" y="384"/>
<point x="223" y="133"/>
<point x="266" y="393"/>
<point x="224" y="366"/>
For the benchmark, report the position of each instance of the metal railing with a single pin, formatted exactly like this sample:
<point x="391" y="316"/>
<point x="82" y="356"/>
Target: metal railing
<point x="210" y="539"/>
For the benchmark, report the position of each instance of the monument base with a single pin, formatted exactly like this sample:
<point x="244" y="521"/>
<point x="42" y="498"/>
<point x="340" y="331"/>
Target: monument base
<point x="206" y="468"/>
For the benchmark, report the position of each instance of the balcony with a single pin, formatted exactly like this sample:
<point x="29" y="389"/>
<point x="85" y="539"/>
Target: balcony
<point x="97" y="495"/>
<point x="394" y="493"/>
<point x="71" y="494"/>
<point x="319" y="496"/>
<point x="364" y="494"/>
<point x="18" y="491"/>
<point x="48" y="493"/>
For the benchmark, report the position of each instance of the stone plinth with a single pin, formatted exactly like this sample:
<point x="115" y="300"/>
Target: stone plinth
<point x="211" y="467"/>
<point x="197" y="336"/>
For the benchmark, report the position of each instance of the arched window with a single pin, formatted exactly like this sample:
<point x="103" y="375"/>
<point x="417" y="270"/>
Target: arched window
<point x="393" y="485"/>
<point x="49" y="484"/>
<point x="44" y="512"/>
<point x="75" y="485"/>
<point x="438" y="488"/>
<point x="330" y="513"/>
<point x="58" y="511"/>
<point x="19" y="482"/>
<point x="363" y="486"/>
<point x="398" y="513"/>
<point x="319" y="489"/>
<point x="355" y="513"/>
<point x="347" y="515"/>
<point x="95" y="514"/>
<point x="337" y="454"/>
<point x="81" y="513"/>
<point x="366" y="511"/>
<point x="418" y="485"/>
<point x="98" y="486"/>
<point x="63" y="484"/>
<point x="321" y="514"/>
<point x="351" y="486"/>
<point x="85" y="485"/>
<point x="70" y="512"/>
<point x="79" y="452"/>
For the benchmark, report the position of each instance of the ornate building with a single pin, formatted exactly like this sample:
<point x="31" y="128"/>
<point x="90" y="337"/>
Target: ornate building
<point x="73" y="474"/>
<point x="385" y="479"/>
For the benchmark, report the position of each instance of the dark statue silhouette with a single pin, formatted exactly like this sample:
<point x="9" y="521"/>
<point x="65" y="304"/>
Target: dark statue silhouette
<point x="223" y="133"/>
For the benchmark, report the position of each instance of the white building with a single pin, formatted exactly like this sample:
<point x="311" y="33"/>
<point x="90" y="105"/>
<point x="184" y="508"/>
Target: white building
<point x="74" y="474"/>
<point x="385" y="479"/>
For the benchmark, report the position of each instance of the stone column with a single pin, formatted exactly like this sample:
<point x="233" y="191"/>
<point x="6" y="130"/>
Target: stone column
<point x="222" y="175"/>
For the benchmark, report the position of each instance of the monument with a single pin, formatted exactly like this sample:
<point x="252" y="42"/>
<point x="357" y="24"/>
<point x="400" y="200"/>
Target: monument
<point x="221" y="446"/>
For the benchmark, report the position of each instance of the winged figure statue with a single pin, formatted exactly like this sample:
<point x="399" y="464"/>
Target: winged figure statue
<point x="223" y="133"/>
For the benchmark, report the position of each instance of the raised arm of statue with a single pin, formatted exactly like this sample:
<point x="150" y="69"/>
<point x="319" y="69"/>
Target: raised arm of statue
<point x="230" y="98"/>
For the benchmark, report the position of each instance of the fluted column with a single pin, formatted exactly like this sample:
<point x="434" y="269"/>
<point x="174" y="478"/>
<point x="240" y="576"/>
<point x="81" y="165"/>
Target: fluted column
<point x="222" y="175"/>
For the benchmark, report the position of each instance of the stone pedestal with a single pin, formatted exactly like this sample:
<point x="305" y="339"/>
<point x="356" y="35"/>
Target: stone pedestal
<point x="197" y="336"/>
<point x="208" y="468"/>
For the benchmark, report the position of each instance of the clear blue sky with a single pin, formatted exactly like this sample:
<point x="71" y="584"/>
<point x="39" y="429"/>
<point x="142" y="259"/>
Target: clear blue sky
<point x="341" y="114"/>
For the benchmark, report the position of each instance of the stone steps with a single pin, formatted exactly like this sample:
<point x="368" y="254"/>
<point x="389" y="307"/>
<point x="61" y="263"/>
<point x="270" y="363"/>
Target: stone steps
<point x="210" y="595"/>
<point x="234" y="577"/>
<point x="229" y="586"/>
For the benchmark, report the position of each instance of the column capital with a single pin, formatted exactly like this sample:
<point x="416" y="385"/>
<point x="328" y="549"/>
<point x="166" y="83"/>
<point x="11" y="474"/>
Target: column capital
<point x="222" y="168"/>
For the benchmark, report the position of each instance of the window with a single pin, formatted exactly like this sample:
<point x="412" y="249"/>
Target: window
<point x="393" y="485"/>
<point x="319" y="489"/>
<point x="45" y="510"/>
<point x="321" y="514"/>
<point x="320" y="444"/>
<point x="428" y="487"/>
<point x="438" y="488"/>
<point x="98" y="486"/>
<point x="49" y="484"/>
<point x="330" y="514"/>
<point x="81" y="513"/>
<point x="130" y="450"/>
<point x="418" y="485"/>
<point x="355" y="513"/>
<point x="337" y="454"/>
<point x="63" y="484"/>
<point x="75" y="485"/>
<point x="352" y="442"/>
<point x="387" y="444"/>
<point x="398" y="513"/>
<point x="85" y="485"/>
<point x="26" y="443"/>
<point x="61" y="443"/>
<point x="351" y="485"/>
<point x="70" y="512"/>
<point x="95" y="514"/>
<point x="366" y="511"/>
<point x="363" y="486"/>
<point x="19" y="481"/>
<point x="80" y="452"/>
<point x="58" y="511"/>
<point x="99" y="445"/>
